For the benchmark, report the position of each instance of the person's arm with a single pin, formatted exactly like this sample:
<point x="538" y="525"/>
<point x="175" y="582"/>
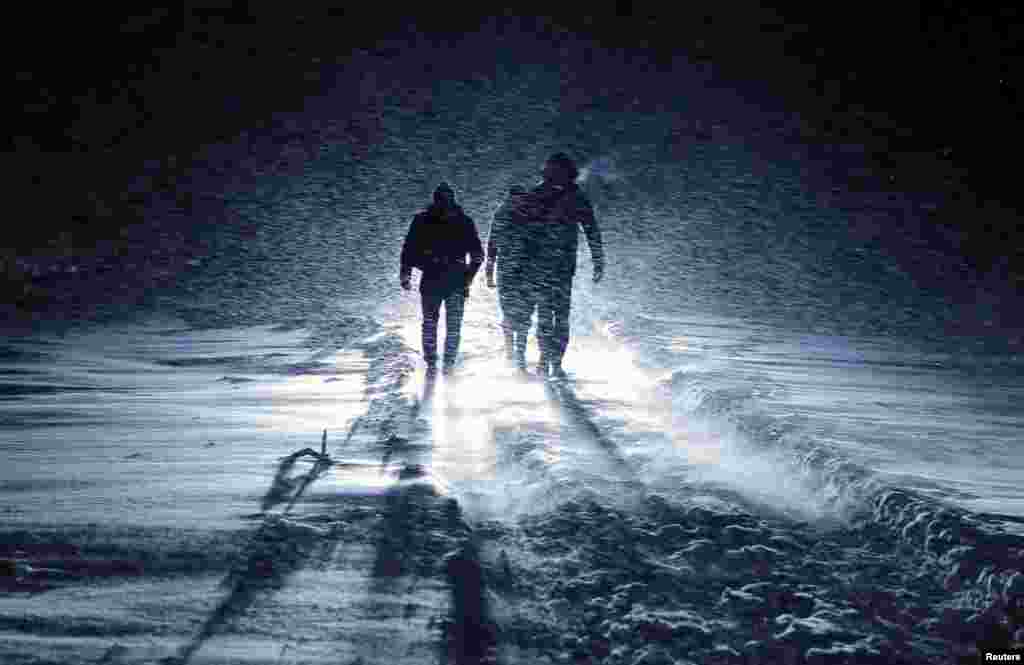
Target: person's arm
<point x="475" y="250"/>
<point x="593" y="233"/>
<point x="410" y="254"/>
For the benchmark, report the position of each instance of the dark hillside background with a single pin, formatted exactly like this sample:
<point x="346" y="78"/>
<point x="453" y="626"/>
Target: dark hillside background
<point x="931" y="90"/>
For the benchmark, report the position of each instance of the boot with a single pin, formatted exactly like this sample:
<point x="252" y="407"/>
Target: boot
<point x="449" y="366"/>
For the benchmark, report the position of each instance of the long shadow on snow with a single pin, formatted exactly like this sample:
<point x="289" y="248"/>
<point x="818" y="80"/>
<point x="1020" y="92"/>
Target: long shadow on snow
<point x="422" y="528"/>
<point x="277" y="549"/>
<point x="580" y="415"/>
<point x="280" y="547"/>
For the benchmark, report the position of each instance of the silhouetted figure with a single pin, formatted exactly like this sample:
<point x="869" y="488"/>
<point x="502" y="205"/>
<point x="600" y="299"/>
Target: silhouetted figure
<point x="554" y="211"/>
<point x="516" y="296"/>
<point x="438" y="241"/>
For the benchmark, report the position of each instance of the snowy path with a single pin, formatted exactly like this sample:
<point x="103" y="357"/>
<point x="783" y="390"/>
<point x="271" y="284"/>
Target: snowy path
<point x="370" y="544"/>
<point x="163" y="508"/>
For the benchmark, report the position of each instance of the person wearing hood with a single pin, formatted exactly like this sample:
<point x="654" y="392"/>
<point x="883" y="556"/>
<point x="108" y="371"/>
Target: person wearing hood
<point x="437" y="244"/>
<point x="555" y="211"/>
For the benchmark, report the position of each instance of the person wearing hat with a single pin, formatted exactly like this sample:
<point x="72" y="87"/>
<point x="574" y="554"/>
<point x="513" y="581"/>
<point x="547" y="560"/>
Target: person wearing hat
<point x="438" y="242"/>
<point x="554" y="212"/>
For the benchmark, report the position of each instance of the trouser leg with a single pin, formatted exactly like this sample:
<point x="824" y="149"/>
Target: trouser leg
<point x="454" y="306"/>
<point x="519" y="356"/>
<point x="527" y="305"/>
<point x="560" y="306"/>
<point x="522" y="335"/>
<point x="510" y="337"/>
<point x="508" y="331"/>
<point x="431" y="312"/>
<point x="516" y="309"/>
<point x="545" y="326"/>
<point x="553" y="321"/>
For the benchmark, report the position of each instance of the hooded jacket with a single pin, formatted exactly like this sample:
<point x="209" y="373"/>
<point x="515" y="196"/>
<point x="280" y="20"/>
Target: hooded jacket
<point x="553" y="216"/>
<point x="437" y="244"/>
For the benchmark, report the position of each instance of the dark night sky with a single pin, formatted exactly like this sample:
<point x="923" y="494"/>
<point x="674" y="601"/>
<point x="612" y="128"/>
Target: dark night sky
<point x="96" y="101"/>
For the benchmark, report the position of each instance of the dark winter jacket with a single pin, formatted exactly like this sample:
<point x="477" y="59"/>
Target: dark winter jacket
<point x="553" y="218"/>
<point x="505" y="241"/>
<point x="437" y="245"/>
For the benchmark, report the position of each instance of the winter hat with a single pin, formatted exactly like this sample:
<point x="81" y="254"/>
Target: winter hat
<point x="564" y="163"/>
<point x="444" y="190"/>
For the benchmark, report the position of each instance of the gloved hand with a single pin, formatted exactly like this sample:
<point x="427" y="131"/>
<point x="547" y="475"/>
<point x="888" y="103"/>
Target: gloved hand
<point x="598" y="273"/>
<point x="406" y="281"/>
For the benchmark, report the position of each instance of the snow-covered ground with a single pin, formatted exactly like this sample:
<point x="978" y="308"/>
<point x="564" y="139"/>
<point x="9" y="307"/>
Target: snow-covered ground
<point x="165" y="499"/>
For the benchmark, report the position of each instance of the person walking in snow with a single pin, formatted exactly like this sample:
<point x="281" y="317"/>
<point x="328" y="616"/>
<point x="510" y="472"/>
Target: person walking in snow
<point x="554" y="211"/>
<point x="437" y="244"/>
<point x="515" y="297"/>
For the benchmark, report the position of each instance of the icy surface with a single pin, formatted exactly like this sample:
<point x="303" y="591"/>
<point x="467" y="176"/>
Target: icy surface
<point x="616" y="517"/>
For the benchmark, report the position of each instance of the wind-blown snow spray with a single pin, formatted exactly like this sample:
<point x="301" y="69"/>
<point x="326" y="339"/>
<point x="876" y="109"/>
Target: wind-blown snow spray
<point x="603" y="168"/>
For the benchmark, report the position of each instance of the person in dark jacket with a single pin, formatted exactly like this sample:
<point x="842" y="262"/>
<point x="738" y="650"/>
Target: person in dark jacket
<point x="438" y="241"/>
<point x="555" y="210"/>
<point x="516" y="298"/>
